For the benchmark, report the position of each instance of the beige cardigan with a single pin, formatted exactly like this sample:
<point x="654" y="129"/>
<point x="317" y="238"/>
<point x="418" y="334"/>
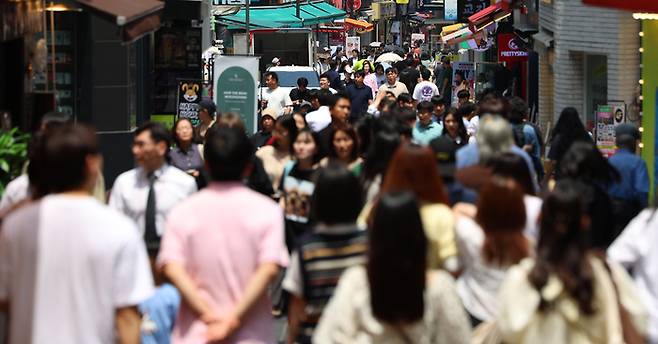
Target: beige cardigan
<point x="521" y="321"/>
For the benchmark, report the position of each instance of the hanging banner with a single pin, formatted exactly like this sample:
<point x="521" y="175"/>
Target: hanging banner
<point x="187" y="104"/>
<point x="352" y="43"/>
<point x="510" y="48"/>
<point x="605" y="130"/>
<point x="236" y="82"/>
<point x="463" y="78"/>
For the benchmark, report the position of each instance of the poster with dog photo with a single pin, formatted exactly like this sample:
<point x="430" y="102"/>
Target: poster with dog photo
<point x="298" y="198"/>
<point x="189" y="96"/>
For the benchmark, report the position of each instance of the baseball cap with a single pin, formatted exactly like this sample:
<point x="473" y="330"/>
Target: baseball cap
<point x="269" y="112"/>
<point x="275" y="60"/>
<point x="627" y="129"/>
<point x="444" y="151"/>
<point x="208" y="104"/>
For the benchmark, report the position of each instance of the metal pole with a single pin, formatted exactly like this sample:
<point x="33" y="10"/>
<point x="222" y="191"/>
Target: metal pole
<point x="297" y="9"/>
<point x="52" y="48"/>
<point x="247" y="27"/>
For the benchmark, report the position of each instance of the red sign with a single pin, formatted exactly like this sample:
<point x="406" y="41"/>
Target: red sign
<point x="510" y="48"/>
<point x="631" y="5"/>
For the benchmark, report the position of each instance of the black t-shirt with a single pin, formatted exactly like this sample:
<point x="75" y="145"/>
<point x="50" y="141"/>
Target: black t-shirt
<point x="359" y="97"/>
<point x="297" y="188"/>
<point x="297" y="94"/>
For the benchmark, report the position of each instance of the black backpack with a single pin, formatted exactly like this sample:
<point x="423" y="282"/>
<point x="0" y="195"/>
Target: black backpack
<point x="519" y="137"/>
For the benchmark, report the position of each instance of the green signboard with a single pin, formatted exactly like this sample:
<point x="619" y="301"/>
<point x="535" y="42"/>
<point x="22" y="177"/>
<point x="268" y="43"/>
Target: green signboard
<point x="235" y="88"/>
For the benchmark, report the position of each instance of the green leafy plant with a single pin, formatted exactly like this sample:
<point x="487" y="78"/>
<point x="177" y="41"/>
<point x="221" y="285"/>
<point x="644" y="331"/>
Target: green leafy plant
<point x="13" y="155"/>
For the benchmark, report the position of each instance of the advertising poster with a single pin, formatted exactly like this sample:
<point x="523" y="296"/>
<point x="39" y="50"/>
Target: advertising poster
<point x="618" y="112"/>
<point x="450" y="10"/>
<point x="236" y="82"/>
<point x="415" y="37"/>
<point x="187" y="103"/>
<point x="463" y="78"/>
<point x="605" y="130"/>
<point x="351" y="43"/>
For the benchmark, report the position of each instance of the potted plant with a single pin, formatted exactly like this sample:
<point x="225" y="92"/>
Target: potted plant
<point x="13" y="155"/>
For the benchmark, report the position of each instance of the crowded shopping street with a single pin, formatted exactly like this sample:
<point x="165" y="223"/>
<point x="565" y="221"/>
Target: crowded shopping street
<point x="328" y="171"/>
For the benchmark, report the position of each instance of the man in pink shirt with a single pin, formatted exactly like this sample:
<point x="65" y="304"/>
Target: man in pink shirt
<point x="222" y="248"/>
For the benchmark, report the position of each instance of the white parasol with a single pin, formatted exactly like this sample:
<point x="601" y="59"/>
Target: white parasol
<point x="389" y="57"/>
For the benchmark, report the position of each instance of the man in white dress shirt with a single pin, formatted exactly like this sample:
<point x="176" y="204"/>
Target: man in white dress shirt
<point x="130" y="193"/>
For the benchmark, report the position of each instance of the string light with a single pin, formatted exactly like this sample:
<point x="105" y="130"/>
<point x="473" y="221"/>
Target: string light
<point x="641" y="82"/>
<point x="641" y="50"/>
<point x="645" y="16"/>
<point x="641" y="34"/>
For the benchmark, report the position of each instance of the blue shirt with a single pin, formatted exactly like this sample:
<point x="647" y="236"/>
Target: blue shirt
<point x="423" y="135"/>
<point x="634" y="182"/>
<point x="158" y="315"/>
<point x="469" y="155"/>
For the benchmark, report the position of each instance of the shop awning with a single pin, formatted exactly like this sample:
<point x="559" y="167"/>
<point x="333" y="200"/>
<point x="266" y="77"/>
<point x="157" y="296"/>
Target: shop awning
<point x="310" y="13"/>
<point x="134" y="17"/>
<point x="488" y="16"/>
<point x="360" y="25"/>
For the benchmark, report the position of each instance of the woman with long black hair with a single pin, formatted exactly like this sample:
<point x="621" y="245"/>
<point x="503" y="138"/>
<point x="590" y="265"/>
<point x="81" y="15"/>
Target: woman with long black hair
<point x="394" y="298"/>
<point x="568" y="129"/>
<point x="567" y="294"/>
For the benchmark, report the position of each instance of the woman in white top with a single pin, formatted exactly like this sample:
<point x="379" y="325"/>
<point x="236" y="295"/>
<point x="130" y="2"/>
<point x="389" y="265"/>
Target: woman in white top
<point x="489" y="244"/>
<point x="567" y="294"/>
<point x="634" y="249"/>
<point x="394" y="298"/>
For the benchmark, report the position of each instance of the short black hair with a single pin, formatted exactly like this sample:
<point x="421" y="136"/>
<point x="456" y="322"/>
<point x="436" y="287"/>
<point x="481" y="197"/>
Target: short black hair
<point x="302" y="82"/>
<point x="336" y="97"/>
<point x="463" y="94"/>
<point x="425" y="106"/>
<point x="405" y="97"/>
<point x="466" y="109"/>
<point x="518" y="110"/>
<point x="227" y="152"/>
<point x="425" y="73"/>
<point x="355" y="50"/>
<point x="158" y="133"/>
<point x="337" y="197"/>
<point x="273" y="75"/>
<point x="325" y="76"/>
<point x="437" y="100"/>
<point x="405" y="115"/>
<point x="324" y="97"/>
<point x="59" y="159"/>
<point x="360" y="73"/>
<point x="391" y="69"/>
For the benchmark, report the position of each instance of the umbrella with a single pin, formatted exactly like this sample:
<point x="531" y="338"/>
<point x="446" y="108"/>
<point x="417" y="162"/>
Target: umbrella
<point x="389" y="57"/>
<point x="375" y="44"/>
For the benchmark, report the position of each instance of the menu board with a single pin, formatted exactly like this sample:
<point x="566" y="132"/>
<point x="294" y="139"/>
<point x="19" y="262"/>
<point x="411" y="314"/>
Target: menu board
<point x="467" y="8"/>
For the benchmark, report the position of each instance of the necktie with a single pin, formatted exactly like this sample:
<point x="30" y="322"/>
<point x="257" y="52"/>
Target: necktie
<point x="150" y="233"/>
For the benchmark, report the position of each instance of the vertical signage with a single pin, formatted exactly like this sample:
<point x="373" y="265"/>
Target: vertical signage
<point x="235" y="87"/>
<point x="187" y="104"/>
<point x="450" y="10"/>
<point x="605" y="130"/>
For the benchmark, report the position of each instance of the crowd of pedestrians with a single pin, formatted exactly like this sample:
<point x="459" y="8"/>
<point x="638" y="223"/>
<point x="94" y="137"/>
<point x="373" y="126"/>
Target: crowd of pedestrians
<point x="418" y="222"/>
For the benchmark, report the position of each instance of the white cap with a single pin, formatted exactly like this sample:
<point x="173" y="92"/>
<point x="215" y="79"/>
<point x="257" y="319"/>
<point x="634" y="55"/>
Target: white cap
<point x="275" y="60"/>
<point x="348" y="69"/>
